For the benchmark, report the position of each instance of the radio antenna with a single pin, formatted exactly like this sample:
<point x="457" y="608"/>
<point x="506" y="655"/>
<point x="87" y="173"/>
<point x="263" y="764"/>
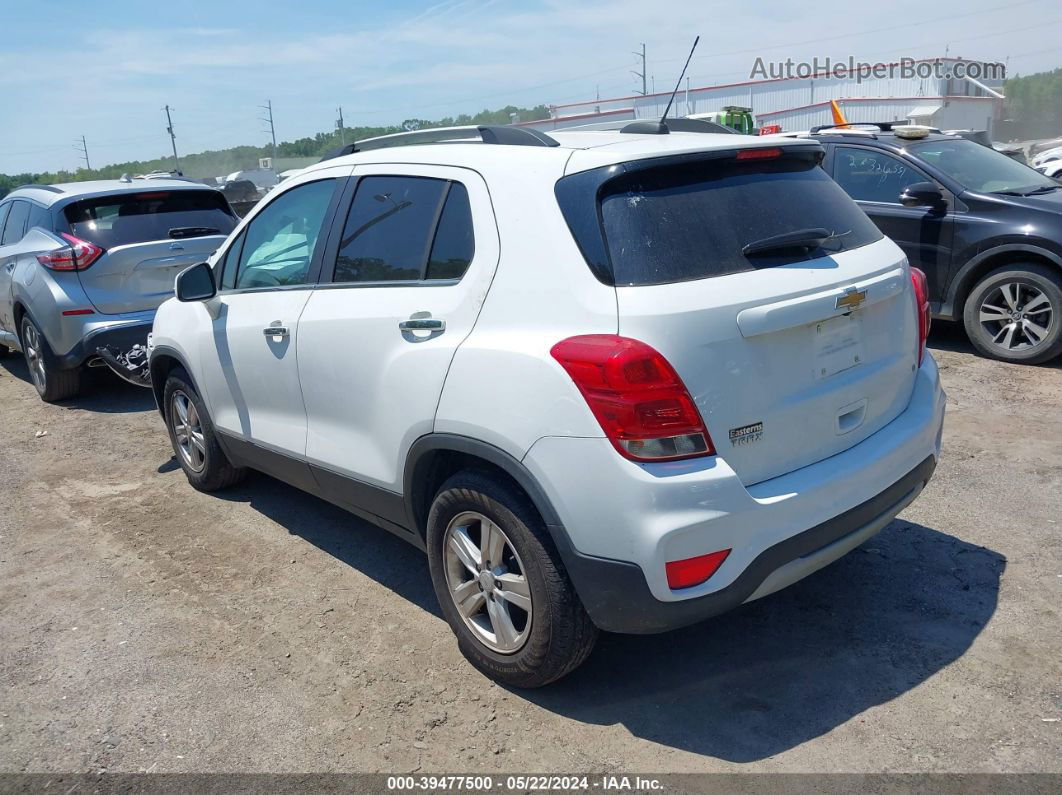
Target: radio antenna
<point x="679" y="82"/>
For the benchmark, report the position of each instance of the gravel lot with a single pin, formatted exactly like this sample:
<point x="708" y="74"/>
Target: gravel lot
<point x="147" y="627"/>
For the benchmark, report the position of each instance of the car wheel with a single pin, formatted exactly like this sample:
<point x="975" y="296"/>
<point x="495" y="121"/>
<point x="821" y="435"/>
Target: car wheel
<point x="194" y="440"/>
<point x="501" y="585"/>
<point x="51" y="383"/>
<point x="1014" y="314"/>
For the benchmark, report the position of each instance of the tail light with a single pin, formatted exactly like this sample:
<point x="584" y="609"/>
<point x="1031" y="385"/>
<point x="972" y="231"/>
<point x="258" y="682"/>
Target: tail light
<point x="640" y="401"/>
<point x="75" y="257"/>
<point x="693" y="571"/>
<point x="921" y="297"/>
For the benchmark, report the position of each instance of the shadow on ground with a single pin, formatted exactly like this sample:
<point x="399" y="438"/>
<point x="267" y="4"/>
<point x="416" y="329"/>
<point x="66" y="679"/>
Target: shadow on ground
<point x="945" y="335"/>
<point x="747" y="685"/>
<point x="101" y="390"/>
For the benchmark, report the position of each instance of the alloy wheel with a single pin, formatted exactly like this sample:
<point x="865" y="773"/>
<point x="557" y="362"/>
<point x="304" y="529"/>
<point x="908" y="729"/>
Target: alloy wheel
<point x="1017" y="316"/>
<point x="31" y="342"/>
<point x="188" y="431"/>
<point x="487" y="582"/>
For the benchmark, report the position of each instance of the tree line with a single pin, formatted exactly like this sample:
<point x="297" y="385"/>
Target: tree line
<point x="224" y="161"/>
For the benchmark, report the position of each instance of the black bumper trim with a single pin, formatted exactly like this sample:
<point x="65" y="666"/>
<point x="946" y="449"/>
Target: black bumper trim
<point x="617" y="596"/>
<point x="122" y="337"/>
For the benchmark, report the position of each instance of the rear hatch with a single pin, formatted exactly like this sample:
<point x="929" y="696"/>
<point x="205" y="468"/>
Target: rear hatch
<point x="793" y="352"/>
<point x="147" y="238"/>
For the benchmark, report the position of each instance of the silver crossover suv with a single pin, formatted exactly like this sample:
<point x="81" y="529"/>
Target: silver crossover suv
<point x="84" y="265"/>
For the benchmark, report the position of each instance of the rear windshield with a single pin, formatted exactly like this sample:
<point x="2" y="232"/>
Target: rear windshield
<point x="111" y="221"/>
<point x="693" y="219"/>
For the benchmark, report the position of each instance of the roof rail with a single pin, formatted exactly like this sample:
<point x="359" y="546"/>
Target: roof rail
<point x="503" y="135"/>
<point x="49" y="188"/>
<point x="650" y="127"/>
<point x="884" y="126"/>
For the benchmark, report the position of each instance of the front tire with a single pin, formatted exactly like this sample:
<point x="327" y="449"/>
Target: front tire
<point x="51" y="383"/>
<point x="501" y="585"/>
<point x="194" y="440"/>
<point x="1014" y="314"/>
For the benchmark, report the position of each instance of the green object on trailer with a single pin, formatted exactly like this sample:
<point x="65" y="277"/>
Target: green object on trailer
<point x="735" y="117"/>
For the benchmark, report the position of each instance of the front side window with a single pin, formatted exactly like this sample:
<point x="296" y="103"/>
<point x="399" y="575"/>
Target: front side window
<point x="16" y="222"/>
<point x="406" y="229"/>
<point x="867" y="175"/>
<point x="979" y="168"/>
<point x="279" y="242"/>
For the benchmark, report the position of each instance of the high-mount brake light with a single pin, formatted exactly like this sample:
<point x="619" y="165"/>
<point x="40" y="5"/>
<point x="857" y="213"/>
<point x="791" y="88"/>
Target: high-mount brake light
<point x="763" y="153"/>
<point x="77" y="256"/>
<point x="921" y="298"/>
<point x="637" y="397"/>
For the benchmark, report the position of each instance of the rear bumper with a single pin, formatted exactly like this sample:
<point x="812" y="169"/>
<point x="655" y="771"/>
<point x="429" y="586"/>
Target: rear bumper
<point x="619" y="523"/>
<point x="617" y="597"/>
<point x="119" y="334"/>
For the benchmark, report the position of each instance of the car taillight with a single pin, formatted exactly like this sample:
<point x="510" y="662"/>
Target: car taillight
<point x="921" y="297"/>
<point x="637" y="397"/>
<point x="75" y="257"/>
<point x="693" y="571"/>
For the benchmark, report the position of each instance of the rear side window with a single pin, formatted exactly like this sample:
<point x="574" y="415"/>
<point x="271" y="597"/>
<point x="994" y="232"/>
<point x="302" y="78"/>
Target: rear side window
<point x="38" y="216"/>
<point x="4" y="210"/>
<point x="128" y="218"/>
<point x="406" y="229"/>
<point x="693" y="218"/>
<point x="16" y="222"/>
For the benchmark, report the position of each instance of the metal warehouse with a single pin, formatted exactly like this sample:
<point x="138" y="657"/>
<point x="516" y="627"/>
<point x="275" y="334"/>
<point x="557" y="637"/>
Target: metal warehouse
<point x="798" y="103"/>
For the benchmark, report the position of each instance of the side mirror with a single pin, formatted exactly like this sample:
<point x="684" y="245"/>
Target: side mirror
<point x="196" y="283"/>
<point x="922" y="194"/>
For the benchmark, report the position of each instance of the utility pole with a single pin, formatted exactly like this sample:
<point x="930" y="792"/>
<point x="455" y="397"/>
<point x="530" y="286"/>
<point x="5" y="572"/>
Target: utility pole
<point x="340" y="127"/>
<point x="83" y="148"/>
<point x="268" y="107"/>
<point x="641" y="74"/>
<point x="173" y="140"/>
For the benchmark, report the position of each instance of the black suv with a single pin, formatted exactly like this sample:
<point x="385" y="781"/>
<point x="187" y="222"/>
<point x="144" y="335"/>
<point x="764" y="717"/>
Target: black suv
<point x="986" y="229"/>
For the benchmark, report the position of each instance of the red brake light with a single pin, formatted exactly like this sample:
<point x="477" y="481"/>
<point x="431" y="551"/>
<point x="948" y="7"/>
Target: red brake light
<point x="637" y="397"/>
<point x="921" y="297"/>
<point x="693" y="571"/>
<point x="764" y="153"/>
<point x="75" y="257"/>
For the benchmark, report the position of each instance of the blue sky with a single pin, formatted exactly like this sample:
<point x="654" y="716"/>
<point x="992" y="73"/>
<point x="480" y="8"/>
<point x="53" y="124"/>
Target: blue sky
<point x="105" y="69"/>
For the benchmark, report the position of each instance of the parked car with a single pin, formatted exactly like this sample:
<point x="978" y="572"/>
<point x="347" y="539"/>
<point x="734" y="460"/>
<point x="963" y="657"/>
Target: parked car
<point x="1052" y="168"/>
<point x="605" y="380"/>
<point x="84" y="265"/>
<point x="986" y="230"/>
<point x="1047" y="156"/>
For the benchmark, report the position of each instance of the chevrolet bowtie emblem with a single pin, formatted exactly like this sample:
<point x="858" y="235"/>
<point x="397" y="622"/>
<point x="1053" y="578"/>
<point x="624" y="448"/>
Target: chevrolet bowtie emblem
<point x="851" y="299"/>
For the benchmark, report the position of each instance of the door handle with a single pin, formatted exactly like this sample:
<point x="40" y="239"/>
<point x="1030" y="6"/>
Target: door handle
<point x="10" y="267"/>
<point x="422" y="324"/>
<point x="275" y="331"/>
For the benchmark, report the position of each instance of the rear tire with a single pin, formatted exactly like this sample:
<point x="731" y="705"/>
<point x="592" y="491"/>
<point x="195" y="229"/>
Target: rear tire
<point x="521" y="622"/>
<point x="51" y="383"/>
<point x="1014" y="314"/>
<point x="194" y="440"/>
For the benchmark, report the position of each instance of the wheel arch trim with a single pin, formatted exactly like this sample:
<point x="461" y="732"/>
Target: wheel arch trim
<point x="157" y="353"/>
<point x="963" y="281"/>
<point x="419" y="458"/>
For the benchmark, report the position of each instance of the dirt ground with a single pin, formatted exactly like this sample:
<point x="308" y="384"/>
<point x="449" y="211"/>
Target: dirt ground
<point x="148" y="627"/>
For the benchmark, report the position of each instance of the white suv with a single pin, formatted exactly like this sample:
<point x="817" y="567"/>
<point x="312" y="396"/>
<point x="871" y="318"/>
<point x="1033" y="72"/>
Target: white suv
<point x="606" y="380"/>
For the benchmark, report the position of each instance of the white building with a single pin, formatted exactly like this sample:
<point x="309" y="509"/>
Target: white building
<point x="800" y="103"/>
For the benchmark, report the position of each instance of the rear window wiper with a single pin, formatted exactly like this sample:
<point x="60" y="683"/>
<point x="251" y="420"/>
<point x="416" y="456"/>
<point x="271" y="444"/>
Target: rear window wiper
<point x="193" y="231"/>
<point x="801" y="238"/>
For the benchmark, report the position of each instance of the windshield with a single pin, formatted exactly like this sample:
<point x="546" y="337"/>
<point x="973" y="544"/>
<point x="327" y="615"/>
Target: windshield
<point x="979" y="168"/>
<point x="718" y="216"/>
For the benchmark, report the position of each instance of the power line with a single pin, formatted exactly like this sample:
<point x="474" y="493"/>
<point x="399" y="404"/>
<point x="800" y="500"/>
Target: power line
<point x="173" y="140"/>
<point x="268" y="107"/>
